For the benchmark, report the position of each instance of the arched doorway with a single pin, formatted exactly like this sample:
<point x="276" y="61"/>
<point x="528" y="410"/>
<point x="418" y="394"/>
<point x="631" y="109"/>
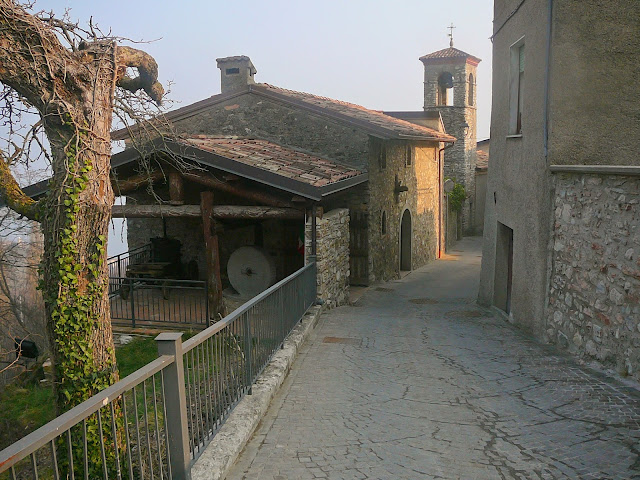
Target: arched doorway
<point x="405" y="241"/>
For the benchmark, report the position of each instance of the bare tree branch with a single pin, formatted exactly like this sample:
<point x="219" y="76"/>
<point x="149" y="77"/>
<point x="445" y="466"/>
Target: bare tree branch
<point x="147" y="78"/>
<point x="13" y="194"/>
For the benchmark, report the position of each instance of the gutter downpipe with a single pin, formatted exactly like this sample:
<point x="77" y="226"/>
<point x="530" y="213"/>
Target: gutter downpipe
<point x="441" y="235"/>
<point x="547" y="75"/>
<point x="547" y="81"/>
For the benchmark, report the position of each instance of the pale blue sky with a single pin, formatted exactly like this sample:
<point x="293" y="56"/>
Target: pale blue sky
<point x="360" y="51"/>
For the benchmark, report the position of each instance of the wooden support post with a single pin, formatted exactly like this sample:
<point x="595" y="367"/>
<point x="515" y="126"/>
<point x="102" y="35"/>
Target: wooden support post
<point x="176" y="188"/>
<point x="314" y="213"/>
<point x="216" y="307"/>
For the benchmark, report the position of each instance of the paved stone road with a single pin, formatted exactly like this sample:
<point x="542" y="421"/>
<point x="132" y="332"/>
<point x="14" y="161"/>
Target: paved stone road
<point x="417" y="382"/>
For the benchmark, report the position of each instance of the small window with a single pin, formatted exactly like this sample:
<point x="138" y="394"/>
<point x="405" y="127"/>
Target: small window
<point x="383" y="223"/>
<point x="516" y="88"/>
<point x="232" y="71"/>
<point x="471" y="88"/>
<point x="409" y="156"/>
<point x="382" y="157"/>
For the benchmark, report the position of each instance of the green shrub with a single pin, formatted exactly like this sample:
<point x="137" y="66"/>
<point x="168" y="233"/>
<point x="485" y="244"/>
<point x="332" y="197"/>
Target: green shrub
<point x="456" y="197"/>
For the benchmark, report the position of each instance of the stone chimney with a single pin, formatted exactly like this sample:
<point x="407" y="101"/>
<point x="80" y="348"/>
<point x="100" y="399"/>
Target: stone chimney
<point x="236" y="72"/>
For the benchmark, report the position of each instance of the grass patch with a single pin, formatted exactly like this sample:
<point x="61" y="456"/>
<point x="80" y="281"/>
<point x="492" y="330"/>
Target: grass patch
<point x="135" y="355"/>
<point x="24" y="409"/>
<point x="26" y="406"/>
<point x="140" y="351"/>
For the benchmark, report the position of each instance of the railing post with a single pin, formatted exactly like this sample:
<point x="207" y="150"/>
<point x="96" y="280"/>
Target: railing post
<point x="247" y="347"/>
<point x="119" y="272"/>
<point x="283" y="323"/>
<point x="170" y="343"/>
<point x="312" y="259"/>
<point x="132" y="303"/>
<point x="314" y="283"/>
<point x="206" y="302"/>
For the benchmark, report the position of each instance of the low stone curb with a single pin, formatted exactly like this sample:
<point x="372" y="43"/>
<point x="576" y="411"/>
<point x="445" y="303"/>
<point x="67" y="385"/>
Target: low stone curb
<point x="221" y="453"/>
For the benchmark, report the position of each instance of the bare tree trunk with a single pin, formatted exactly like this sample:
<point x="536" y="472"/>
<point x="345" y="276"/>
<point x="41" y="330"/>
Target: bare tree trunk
<point x="72" y="88"/>
<point x="73" y="91"/>
<point x="75" y="221"/>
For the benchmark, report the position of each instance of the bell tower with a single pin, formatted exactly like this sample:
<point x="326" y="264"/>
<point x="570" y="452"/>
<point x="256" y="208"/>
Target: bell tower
<point x="450" y="89"/>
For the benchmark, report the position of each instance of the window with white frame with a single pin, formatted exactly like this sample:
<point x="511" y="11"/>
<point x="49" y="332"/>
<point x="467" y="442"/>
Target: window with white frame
<point x="516" y="87"/>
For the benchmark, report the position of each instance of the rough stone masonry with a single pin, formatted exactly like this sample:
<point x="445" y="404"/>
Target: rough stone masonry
<point x="332" y="234"/>
<point x="594" y="300"/>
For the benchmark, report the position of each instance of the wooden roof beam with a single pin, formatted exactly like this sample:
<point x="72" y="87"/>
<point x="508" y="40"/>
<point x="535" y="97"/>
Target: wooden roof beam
<point x="210" y="181"/>
<point x="227" y="212"/>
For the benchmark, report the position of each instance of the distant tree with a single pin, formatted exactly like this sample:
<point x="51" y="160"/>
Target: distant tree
<point x="21" y="306"/>
<point x="71" y="78"/>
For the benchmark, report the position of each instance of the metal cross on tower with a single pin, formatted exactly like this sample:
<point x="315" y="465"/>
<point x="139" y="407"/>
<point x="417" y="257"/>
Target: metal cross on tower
<point x="450" y="34"/>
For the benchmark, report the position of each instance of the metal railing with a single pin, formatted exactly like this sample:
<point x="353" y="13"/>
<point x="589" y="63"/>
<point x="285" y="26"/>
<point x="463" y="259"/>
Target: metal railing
<point x="222" y="362"/>
<point x="120" y="432"/>
<point x="118" y="263"/>
<point x="156" y="422"/>
<point x="158" y="301"/>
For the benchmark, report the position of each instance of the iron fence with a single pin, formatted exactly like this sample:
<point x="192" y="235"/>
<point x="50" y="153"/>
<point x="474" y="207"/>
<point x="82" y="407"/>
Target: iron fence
<point x="156" y="422"/>
<point x="118" y="263"/>
<point x="158" y="301"/>
<point x="222" y="362"/>
<point x="122" y="432"/>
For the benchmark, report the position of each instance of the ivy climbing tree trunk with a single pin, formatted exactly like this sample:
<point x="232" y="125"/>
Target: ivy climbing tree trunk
<point x="75" y="218"/>
<point x="72" y="88"/>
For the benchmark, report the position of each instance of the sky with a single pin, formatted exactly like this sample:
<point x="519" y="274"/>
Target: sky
<point x="360" y="51"/>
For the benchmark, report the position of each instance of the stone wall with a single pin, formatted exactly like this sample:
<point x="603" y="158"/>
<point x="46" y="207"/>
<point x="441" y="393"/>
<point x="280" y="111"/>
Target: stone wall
<point x="594" y="299"/>
<point x="250" y="115"/>
<point x="480" y="196"/>
<point x="421" y="200"/>
<point x="332" y="234"/>
<point x="451" y="226"/>
<point x="253" y="115"/>
<point x="460" y="159"/>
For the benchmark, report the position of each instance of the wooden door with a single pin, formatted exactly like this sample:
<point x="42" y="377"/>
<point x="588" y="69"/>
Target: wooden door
<point x="359" y="248"/>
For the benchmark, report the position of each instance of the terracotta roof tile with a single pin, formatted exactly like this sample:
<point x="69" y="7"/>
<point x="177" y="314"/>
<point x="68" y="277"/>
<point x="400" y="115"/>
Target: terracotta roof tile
<point x="363" y="117"/>
<point x="290" y="163"/>
<point x="449" y="53"/>
<point x="360" y="113"/>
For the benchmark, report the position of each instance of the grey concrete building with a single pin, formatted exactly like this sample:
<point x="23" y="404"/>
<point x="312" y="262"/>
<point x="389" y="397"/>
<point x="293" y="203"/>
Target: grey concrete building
<point x="480" y="184"/>
<point x="562" y="235"/>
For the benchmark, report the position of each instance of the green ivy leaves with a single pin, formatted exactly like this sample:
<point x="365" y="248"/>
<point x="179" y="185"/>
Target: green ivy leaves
<point x="457" y="196"/>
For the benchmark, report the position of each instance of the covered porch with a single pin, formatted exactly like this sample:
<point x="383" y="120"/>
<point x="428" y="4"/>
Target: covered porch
<point x="241" y="213"/>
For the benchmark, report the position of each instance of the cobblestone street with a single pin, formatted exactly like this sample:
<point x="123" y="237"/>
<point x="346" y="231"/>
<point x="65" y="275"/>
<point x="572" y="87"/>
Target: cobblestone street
<point x="417" y="382"/>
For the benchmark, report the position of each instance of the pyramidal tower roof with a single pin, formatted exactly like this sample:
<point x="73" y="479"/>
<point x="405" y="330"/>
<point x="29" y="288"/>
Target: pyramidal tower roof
<point x="449" y="55"/>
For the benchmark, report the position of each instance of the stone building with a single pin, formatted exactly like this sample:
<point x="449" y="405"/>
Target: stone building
<point x="450" y="95"/>
<point x="391" y="221"/>
<point x="562" y="228"/>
